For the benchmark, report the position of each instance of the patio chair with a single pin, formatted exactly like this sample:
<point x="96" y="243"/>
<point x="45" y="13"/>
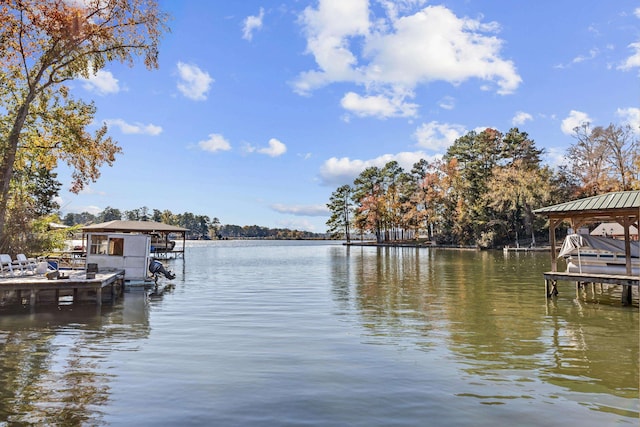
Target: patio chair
<point x="6" y="265"/>
<point x="26" y="264"/>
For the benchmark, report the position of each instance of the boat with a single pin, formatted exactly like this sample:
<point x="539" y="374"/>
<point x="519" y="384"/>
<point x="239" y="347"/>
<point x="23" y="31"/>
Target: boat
<point x="585" y="253"/>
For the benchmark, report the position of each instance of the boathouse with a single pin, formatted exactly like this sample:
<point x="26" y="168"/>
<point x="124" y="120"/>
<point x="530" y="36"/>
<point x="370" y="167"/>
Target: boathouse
<point x="161" y="243"/>
<point x="622" y="207"/>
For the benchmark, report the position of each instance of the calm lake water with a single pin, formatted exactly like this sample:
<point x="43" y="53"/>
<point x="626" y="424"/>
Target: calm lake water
<point x="319" y="334"/>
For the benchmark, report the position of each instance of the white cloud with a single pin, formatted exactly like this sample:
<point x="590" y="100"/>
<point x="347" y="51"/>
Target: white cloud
<point x="328" y="29"/>
<point x="135" y="128"/>
<point x="630" y="116"/>
<point x="275" y="148"/>
<point x="593" y="53"/>
<point x="447" y="103"/>
<point x="634" y="60"/>
<point x="377" y="106"/>
<point x="102" y="83"/>
<point x="301" y="210"/>
<point x="194" y="83"/>
<point x="396" y="53"/>
<point x="298" y="224"/>
<point x="216" y="142"/>
<point x="89" y="190"/>
<point x="555" y="156"/>
<point x="434" y="44"/>
<point x="521" y="118"/>
<point x="340" y="171"/>
<point x="575" y="119"/>
<point x="251" y="24"/>
<point x="438" y="136"/>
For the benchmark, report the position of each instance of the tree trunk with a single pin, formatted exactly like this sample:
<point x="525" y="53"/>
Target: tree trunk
<point x="8" y="160"/>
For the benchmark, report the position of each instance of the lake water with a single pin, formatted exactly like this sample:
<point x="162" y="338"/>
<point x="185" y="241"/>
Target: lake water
<point x="319" y="334"/>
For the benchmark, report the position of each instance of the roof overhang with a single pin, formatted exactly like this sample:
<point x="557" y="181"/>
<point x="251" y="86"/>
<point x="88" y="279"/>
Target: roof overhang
<point x="617" y="206"/>
<point x="134" y="227"/>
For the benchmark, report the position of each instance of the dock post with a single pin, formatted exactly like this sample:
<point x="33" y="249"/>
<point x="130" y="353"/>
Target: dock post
<point x="626" y="295"/>
<point x="546" y="288"/>
<point x="99" y="295"/>
<point x="32" y="298"/>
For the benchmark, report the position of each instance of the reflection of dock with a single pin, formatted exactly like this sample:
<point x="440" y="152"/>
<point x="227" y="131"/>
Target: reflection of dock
<point x="551" y="279"/>
<point x="37" y="289"/>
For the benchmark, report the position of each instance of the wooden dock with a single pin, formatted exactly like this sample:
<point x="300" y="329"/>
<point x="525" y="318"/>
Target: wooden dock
<point x="75" y="286"/>
<point x="551" y="279"/>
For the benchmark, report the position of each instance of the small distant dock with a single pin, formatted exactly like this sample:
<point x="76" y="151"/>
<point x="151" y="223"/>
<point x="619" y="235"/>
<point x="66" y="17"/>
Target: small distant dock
<point x="76" y="286"/>
<point x="516" y="248"/>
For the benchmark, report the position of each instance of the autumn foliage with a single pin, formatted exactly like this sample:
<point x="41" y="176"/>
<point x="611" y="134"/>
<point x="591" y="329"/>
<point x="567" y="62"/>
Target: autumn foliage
<point x="43" y="45"/>
<point x="484" y="190"/>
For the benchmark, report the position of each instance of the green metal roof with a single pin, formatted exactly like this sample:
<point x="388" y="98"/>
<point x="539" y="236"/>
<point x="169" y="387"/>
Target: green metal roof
<point x="604" y="202"/>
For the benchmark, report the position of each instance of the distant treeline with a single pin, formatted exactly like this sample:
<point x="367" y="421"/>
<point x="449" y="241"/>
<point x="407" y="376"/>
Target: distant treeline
<point x="199" y="226"/>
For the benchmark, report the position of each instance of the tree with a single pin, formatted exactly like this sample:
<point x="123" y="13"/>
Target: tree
<point x="110" y="214"/>
<point x="340" y="207"/>
<point x="45" y="43"/>
<point x="516" y="190"/>
<point x="587" y="158"/>
<point x="475" y="154"/>
<point x="215" y="227"/>
<point x="425" y="201"/>
<point x="32" y="197"/>
<point x="623" y="154"/>
<point x="368" y="194"/>
<point x="393" y="177"/>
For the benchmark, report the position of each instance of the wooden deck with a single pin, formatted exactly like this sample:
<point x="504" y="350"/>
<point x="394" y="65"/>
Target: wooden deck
<point x="551" y="279"/>
<point x="32" y="289"/>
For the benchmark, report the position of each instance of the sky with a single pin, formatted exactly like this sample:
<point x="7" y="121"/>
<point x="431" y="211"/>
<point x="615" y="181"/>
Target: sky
<point x="259" y="110"/>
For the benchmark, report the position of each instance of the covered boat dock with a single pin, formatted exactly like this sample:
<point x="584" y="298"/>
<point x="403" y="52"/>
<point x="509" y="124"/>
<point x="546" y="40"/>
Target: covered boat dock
<point x="159" y="230"/>
<point x="622" y="207"/>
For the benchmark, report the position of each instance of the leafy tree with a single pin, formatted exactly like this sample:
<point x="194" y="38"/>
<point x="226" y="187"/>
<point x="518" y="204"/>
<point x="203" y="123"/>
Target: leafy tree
<point x="587" y="160"/>
<point x="109" y="214"/>
<point x="43" y="45"/>
<point x="214" y="227"/>
<point x="515" y="191"/>
<point x="340" y="207"/>
<point x="168" y="218"/>
<point x="156" y="215"/>
<point x="83" y="218"/>
<point x="425" y="195"/>
<point x="393" y="178"/>
<point x="367" y="194"/>
<point x="478" y="157"/>
<point x="203" y="223"/>
<point x="40" y="187"/>
<point x="623" y="154"/>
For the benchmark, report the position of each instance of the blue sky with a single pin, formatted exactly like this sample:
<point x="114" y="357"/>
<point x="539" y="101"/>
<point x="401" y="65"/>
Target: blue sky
<point x="260" y="110"/>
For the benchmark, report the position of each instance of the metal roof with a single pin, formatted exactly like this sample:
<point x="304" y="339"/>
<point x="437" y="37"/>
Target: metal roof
<point x="134" y="226"/>
<point x="620" y="200"/>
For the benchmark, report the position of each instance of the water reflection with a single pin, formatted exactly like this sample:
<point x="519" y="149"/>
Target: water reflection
<point x="51" y="370"/>
<point x="490" y="312"/>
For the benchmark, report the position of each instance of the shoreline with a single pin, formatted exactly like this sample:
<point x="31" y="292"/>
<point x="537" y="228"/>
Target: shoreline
<point x="405" y="244"/>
